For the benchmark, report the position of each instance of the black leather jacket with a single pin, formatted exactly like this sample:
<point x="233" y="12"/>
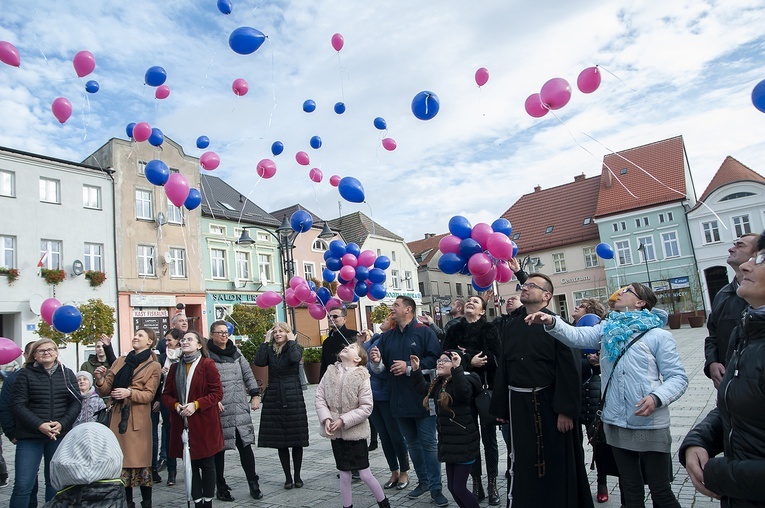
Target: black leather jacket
<point x="727" y="310"/>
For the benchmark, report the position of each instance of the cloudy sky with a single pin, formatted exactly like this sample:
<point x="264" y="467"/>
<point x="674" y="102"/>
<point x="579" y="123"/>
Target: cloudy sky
<point x="669" y="68"/>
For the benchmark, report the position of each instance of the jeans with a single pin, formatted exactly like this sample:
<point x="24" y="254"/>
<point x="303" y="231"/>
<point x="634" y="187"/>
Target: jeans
<point x="420" y="436"/>
<point x="29" y="454"/>
<point x="490" y="450"/>
<point x="393" y="444"/>
<point x="172" y="462"/>
<point x="658" y="469"/>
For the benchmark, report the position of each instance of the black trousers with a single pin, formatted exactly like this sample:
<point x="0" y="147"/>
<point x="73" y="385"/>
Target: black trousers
<point x="203" y="478"/>
<point x="246" y="457"/>
<point x="658" y="471"/>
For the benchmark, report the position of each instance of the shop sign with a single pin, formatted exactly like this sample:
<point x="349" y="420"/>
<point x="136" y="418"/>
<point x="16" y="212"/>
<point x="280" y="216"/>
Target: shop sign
<point x="149" y="300"/>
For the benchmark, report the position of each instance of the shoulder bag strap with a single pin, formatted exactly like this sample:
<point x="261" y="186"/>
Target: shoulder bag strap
<point x="616" y="362"/>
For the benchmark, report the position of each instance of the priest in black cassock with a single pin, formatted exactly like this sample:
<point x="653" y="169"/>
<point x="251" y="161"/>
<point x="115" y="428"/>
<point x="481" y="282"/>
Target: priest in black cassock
<point x="339" y="337"/>
<point x="538" y="391"/>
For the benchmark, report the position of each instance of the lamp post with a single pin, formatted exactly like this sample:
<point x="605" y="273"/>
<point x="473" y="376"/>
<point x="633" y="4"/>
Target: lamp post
<point x="533" y="263"/>
<point x="643" y="250"/>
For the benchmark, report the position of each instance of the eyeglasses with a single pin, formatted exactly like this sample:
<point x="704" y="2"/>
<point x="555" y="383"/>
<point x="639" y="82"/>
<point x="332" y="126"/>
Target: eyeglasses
<point x="581" y="306"/>
<point x="224" y="334"/>
<point x="758" y="260"/>
<point x="629" y="289"/>
<point x="48" y="351"/>
<point x="530" y="285"/>
<point x="335" y="316"/>
<point x="442" y="361"/>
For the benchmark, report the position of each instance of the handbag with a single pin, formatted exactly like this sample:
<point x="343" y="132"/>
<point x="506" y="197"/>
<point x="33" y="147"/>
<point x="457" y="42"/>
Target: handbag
<point x="103" y="416"/>
<point x="483" y="402"/>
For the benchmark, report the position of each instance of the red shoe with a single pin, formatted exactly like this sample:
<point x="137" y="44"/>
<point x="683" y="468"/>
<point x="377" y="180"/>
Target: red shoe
<point x="602" y="493"/>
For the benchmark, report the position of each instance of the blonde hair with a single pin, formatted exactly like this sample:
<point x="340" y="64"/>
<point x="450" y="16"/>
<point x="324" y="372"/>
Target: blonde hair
<point x="35" y="346"/>
<point x="285" y="328"/>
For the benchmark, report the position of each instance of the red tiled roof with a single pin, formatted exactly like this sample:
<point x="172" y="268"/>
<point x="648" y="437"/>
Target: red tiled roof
<point x="564" y="208"/>
<point x="730" y="171"/>
<point x="426" y="246"/>
<point x="663" y="160"/>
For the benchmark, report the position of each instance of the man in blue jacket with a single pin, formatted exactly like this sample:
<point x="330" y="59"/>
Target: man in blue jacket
<point x="418" y="424"/>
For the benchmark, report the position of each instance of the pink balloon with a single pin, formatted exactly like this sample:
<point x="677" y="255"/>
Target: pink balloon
<point x="316" y="311"/>
<point x="315" y="175"/>
<point x="260" y="302"/>
<point x="486" y="279"/>
<point x="141" y="131"/>
<point x="500" y="246"/>
<point x="534" y="106"/>
<point x="449" y="243"/>
<point x="588" y="80"/>
<point x="333" y="303"/>
<point x="481" y="76"/>
<point x="337" y="42"/>
<point x="177" y="189"/>
<point x="240" y="87"/>
<point x="271" y="298"/>
<point x="480" y="233"/>
<point x="84" y="62"/>
<point x="349" y="260"/>
<point x="479" y="264"/>
<point x="47" y="309"/>
<point x="345" y="292"/>
<point x="9" y="350"/>
<point x="504" y="273"/>
<point x="347" y="272"/>
<point x="291" y="299"/>
<point x="389" y="144"/>
<point x="303" y="292"/>
<point x="302" y="158"/>
<point x="9" y="54"/>
<point x="334" y="180"/>
<point x="365" y="258"/>
<point x="208" y="160"/>
<point x="162" y="92"/>
<point x="266" y="168"/>
<point x="62" y="109"/>
<point x="555" y="93"/>
<point x="296" y="281"/>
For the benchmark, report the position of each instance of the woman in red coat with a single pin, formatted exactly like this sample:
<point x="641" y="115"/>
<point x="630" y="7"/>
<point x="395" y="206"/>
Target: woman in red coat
<point x="193" y="390"/>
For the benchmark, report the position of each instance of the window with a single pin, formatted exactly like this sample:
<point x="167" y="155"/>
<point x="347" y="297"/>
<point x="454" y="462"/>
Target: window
<point x="596" y="294"/>
<point x="8" y="252"/>
<point x="741" y="225"/>
<point x="242" y="265"/>
<point x="174" y="214"/>
<point x="263" y="237"/>
<point x="91" y="197"/>
<point x="516" y="236"/>
<point x="178" y="262"/>
<point x="671" y="247"/>
<point x="218" y="263"/>
<point x="619" y="226"/>
<point x="422" y="288"/>
<point x="379" y="253"/>
<point x="586" y="221"/>
<point x="394" y="279"/>
<point x="393" y="255"/>
<point x="320" y="245"/>
<point x="711" y="231"/>
<point x="264" y="260"/>
<point x="50" y="253"/>
<point x="146" y="264"/>
<point x="549" y="230"/>
<point x="623" y="253"/>
<point x="93" y="257"/>
<point x="434" y="288"/>
<point x="470" y="289"/>
<point x="737" y="195"/>
<point x="143" y="204"/>
<point x="8" y="184"/>
<point x="447" y="288"/>
<point x="590" y="257"/>
<point x="217" y="230"/>
<point x="458" y="288"/>
<point x="670" y="217"/>
<point x="641" y="222"/>
<point x="49" y="191"/>
<point x="622" y="225"/>
<point x="408" y="281"/>
<point x="308" y="271"/>
<point x="615" y="227"/>
<point x="227" y="206"/>
<point x="648" y="252"/>
<point x="560" y="262"/>
<point x="141" y="167"/>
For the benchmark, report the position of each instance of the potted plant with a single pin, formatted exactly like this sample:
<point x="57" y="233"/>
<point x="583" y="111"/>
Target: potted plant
<point x="11" y="273"/>
<point x="312" y="364"/>
<point x="95" y="277"/>
<point x="52" y="277"/>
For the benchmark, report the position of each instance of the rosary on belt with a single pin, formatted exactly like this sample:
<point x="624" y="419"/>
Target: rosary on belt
<point x="540" y="465"/>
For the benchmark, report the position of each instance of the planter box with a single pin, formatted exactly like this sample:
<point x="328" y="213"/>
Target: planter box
<point x="313" y="372"/>
<point x="696" y="321"/>
<point x="674" y="321"/>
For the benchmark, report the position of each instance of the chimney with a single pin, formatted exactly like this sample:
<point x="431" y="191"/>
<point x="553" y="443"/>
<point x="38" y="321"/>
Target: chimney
<point x="429" y="235"/>
<point x="579" y="178"/>
<point x="241" y="198"/>
<point x="538" y="188"/>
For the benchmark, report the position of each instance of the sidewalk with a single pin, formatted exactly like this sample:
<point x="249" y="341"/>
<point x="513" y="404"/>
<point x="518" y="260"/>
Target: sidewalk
<point x="322" y="487"/>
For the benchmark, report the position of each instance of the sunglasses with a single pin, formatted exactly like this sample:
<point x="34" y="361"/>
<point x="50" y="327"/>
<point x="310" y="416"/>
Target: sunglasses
<point x="629" y="290"/>
<point x="758" y="259"/>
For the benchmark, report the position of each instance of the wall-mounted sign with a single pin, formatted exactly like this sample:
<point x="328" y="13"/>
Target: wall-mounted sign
<point x="233" y="297"/>
<point x="149" y="300"/>
<point x="156" y="320"/>
<point x="572" y="280"/>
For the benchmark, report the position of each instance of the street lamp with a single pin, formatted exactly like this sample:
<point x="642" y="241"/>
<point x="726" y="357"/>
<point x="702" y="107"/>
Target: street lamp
<point x="533" y="263"/>
<point x="643" y="251"/>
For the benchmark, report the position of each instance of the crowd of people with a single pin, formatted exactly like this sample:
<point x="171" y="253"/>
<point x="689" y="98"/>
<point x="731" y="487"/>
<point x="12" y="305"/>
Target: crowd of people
<point x="614" y="372"/>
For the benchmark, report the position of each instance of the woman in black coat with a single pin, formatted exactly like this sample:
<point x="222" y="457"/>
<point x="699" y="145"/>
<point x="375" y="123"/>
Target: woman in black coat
<point x="283" y="421"/>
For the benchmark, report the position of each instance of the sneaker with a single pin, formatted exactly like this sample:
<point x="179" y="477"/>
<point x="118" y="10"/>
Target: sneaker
<point x="439" y="498"/>
<point x="419" y="490"/>
<point x="155" y="476"/>
<point x="161" y="465"/>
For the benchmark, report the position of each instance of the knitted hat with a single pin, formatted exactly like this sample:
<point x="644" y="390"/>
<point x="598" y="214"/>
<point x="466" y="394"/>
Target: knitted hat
<point x="88" y="453"/>
<point x="87" y="375"/>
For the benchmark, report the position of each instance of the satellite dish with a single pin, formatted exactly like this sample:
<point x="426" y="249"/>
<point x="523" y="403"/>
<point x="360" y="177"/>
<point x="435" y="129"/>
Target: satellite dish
<point x="77" y="267"/>
<point x="168" y="258"/>
<point x="161" y="219"/>
<point x="35" y="302"/>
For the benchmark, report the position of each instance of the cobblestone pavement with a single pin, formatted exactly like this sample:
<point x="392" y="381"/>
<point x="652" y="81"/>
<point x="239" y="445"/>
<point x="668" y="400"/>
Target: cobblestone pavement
<point x="322" y="487"/>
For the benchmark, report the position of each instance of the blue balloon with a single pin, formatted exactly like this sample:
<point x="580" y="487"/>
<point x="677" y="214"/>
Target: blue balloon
<point x="588" y="320"/>
<point x="351" y="189"/>
<point x="361" y="289"/>
<point x="339" y="108"/>
<point x="479" y="288"/>
<point x="377" y="276"/>
<point x="203" y="142"/>
<point x="246" y="40"/>
<point x="157" y="137"/>
<point x="460" y="226"/>
<point x="425" y="105"/>
<point x="193" y="200"/>
<point x="309" y="106"/>
<point x="327" y="254"/>
<point x="468" y="247"/>
<point x="338" y="248"/>
<point x="502" y="226"/>
<point x="225" y="7"/>
<point x="382" y="262"/>
<point x="155" y="76"/>
<point x="129" y="129"/>
<point x="353" y="248"/>
<point x="92" y="86"/>
<point x="758" y="96"/>
<point x="156" y="172"/>
<point x="362" y="273"/>
<point x="230" y="328"/>
<point x="312" y="285"/>
<point x="355" y="297"/>
<point x="451" y="263"/>
<point x="67" y="319"/>
<point x="328" y="275"/>
<point x="341" y="280"/>
<point x="377" y="291"/>
<point x="315" y="142"/>
<point x="465" y="270"/>
<point x="380" y="123"/>
<point x="334" y="264"/>
<point x="301" y="221"/>
<point x="605" y="251"/>
<point x="515" y="248"/>
<point x="323" y="294"/>
<point x="277" y="147"/>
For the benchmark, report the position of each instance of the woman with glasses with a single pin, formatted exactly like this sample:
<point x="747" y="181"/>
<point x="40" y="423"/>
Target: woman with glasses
<point x="283" y="420"/>
<point x="648" y="378"/>
<point x="193" y="391"/>
<point x="132" y="382"/>
<point x="725" y="453"/>
<point x="45" y="406"/>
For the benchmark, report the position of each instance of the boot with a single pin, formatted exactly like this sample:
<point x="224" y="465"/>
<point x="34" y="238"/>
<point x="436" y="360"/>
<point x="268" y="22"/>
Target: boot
<point x="385" y="503"/>
<point x="255" y="492"/>
<point x="131" y="504"/>
<point x="493" y="493"/>
<point x="207" y="504"/>
<point x="146" y="503"/>
<point x="478" y="492"/>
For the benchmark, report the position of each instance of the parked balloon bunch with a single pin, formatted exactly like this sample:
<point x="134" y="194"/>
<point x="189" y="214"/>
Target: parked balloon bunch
<point x="481" y="251"/>
<point x="64" y="318"/>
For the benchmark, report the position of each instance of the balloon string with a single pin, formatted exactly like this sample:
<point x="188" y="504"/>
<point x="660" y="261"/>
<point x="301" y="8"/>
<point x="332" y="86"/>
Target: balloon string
<point x="371" y="217"/>
<point x="316" y="198"/>
<point x="273" y="87"/>
<point x="204" y="193"/>
<point x="622" y="82"/>
<point x="247" y="199"/>
<point x="340" y="71"/>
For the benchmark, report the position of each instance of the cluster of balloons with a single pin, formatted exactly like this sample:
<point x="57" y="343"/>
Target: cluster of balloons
<point x="83" y="62"/>
<point x="481" y="251"/>
<point x="359" y="273"/>
<point x="381" y="125"/>
<point x="64" y="318"/>
<point x="556" y="92"/>
<point x="319" y="300"/>
<point x="176" y="185"/>
<point x="604" y="250"/>
<point x="142" y="131"/>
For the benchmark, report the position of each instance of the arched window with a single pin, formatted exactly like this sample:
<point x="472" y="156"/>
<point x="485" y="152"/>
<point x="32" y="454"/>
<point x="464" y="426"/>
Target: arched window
<point x="737" y="195"/>
<point x="320" y="245"/>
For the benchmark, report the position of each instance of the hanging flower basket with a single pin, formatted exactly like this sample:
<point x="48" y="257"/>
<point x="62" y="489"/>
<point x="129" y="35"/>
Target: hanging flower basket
<point x="53" y="277"/>
<point x="95" y="277"/>
<point x="11" y="273"/>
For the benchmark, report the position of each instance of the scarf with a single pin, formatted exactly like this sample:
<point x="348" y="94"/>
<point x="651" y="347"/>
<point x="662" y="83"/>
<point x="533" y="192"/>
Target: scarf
<point x="229" y="350"/>
<point x="620" y="326"/>
<point x="181" y="375"/>
<point x="124" y="376"/>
